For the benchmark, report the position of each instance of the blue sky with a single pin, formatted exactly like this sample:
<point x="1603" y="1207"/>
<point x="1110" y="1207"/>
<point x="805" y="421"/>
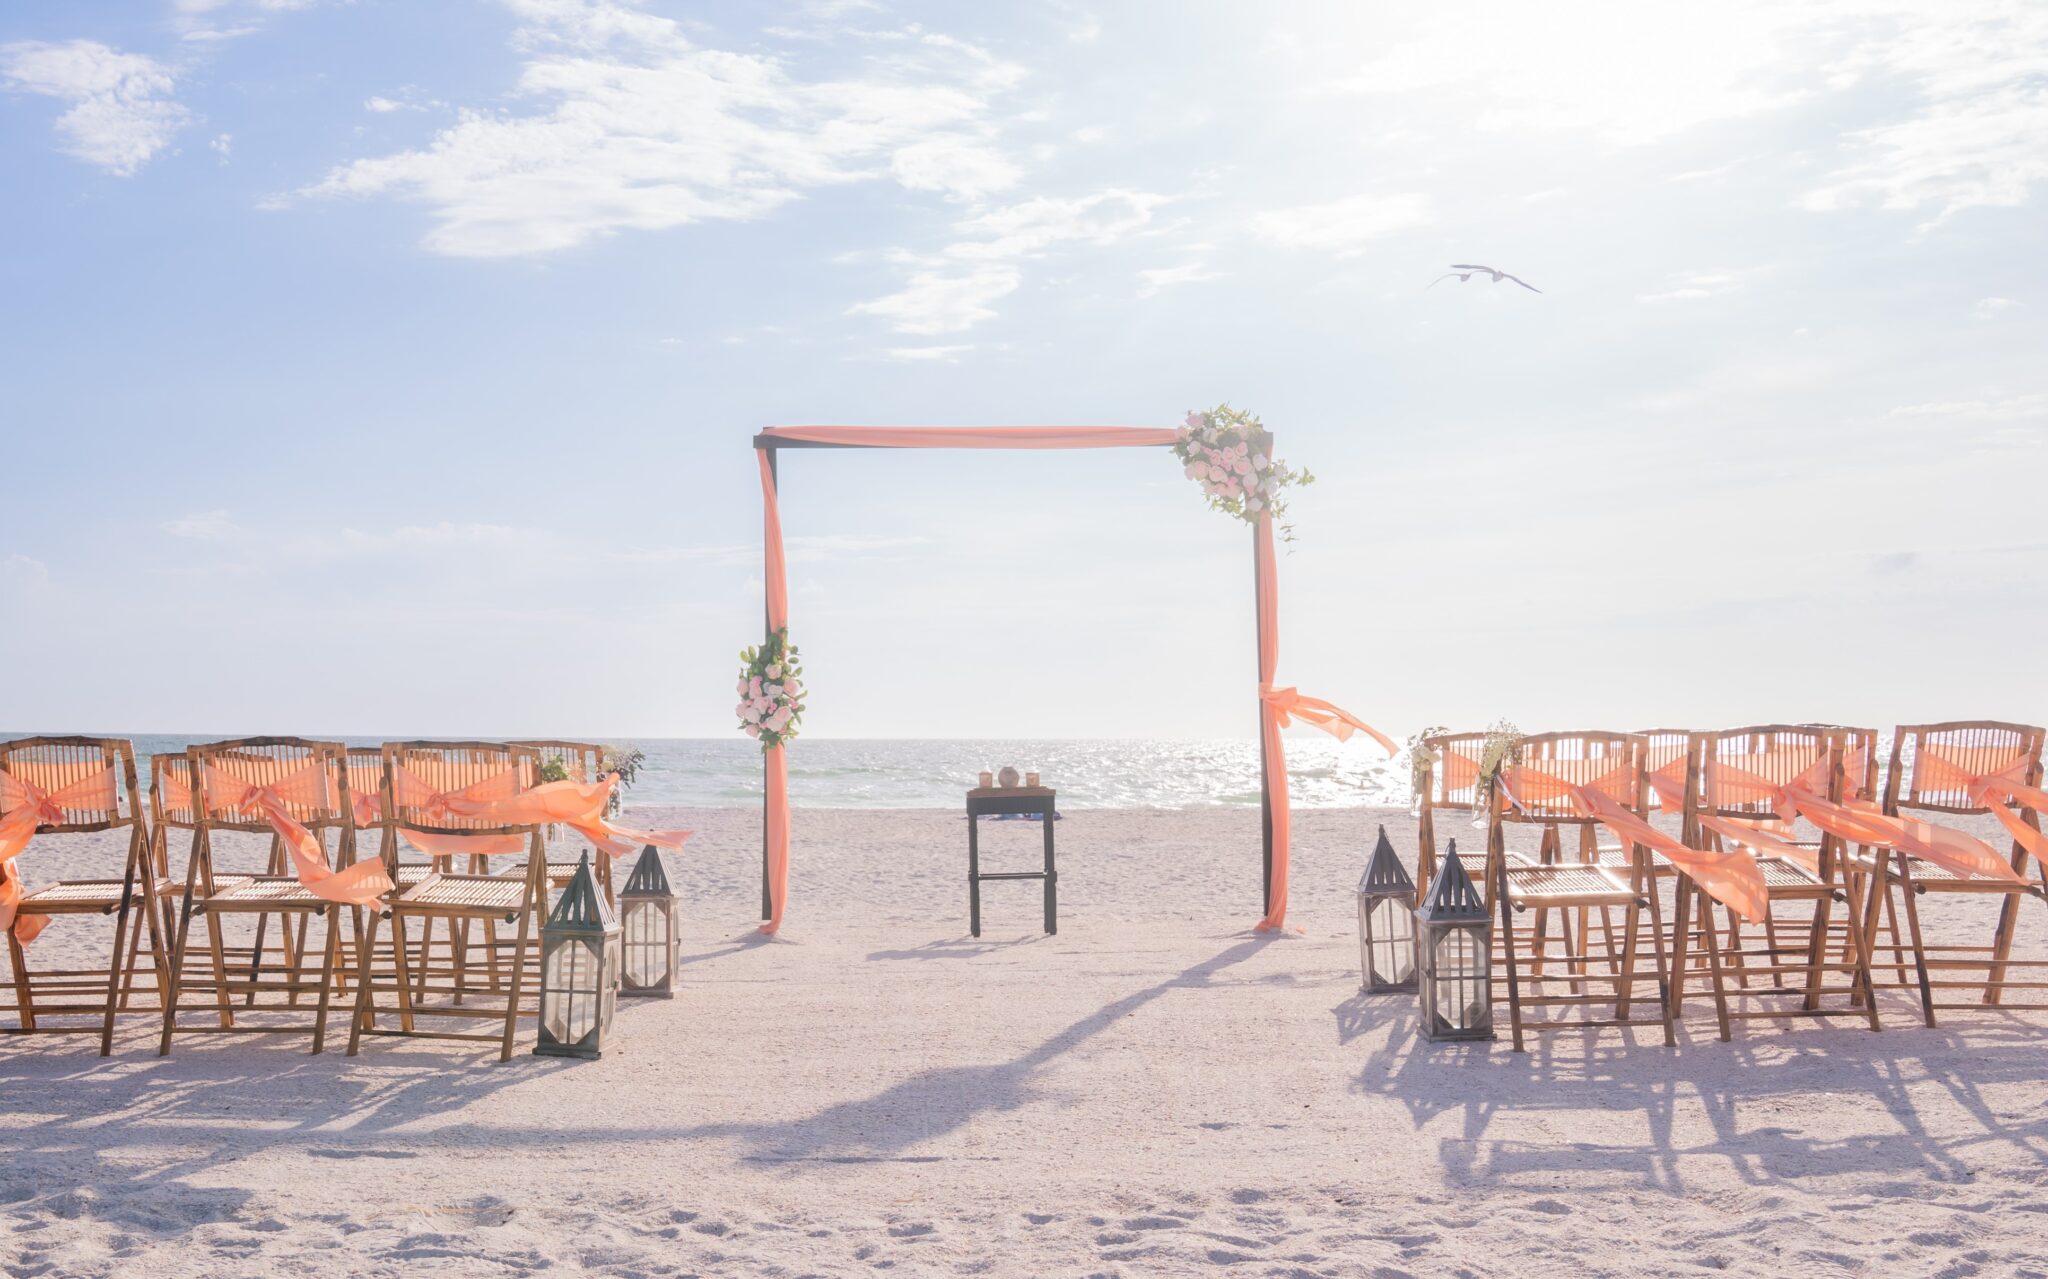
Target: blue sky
<point x="378" y="367"/>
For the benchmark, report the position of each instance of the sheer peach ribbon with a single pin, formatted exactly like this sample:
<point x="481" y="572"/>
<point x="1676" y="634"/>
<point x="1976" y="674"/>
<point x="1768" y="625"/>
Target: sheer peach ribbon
<point x="1862" y="822"/>
<point x="499" y="800"/>
<point x="1460" y="771"/>
<point x="1731" y="784"/>
<point x="226" y="793"/>
<point x="27" y="807"/>
<point x="1666" y="765"/>
<point x="1289" y="705"/>
<point x="1733" y="879"/>
<point x="2000" y="787"/>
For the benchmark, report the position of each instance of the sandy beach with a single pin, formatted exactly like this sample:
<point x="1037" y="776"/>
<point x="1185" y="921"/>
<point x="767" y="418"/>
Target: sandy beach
<point x="1153" y="1091"/>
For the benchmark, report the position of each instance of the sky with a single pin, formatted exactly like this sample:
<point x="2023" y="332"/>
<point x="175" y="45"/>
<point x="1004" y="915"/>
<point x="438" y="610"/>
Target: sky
<point x="378" y="367"/>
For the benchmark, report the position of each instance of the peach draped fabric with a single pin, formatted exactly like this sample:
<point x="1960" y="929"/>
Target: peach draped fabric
<point x="977" y="437"/>
<point x="1666" y="765"/>
<point x="1733" y="879"/>
<point x="499" y="800"/>
<point x="230" y="794"/>
<point x="1461" y="772"/>
<point x="1862" y="822"/>
<point x="1994" y="778"/>
<point x="1278" y="706"/>
<point x="25" y="807"/>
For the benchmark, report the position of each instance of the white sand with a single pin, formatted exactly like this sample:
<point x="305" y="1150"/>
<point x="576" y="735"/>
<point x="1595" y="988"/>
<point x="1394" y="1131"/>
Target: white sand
<point x="1154" y="1091"/>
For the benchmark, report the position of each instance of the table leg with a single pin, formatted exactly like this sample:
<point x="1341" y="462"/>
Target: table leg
<point x="973" y="875"/>
<point x="1052" y="880"/>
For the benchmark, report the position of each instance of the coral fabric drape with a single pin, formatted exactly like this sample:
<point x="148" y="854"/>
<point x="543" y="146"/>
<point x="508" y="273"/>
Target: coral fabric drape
<point x="1862" y="822"/>
<point x="1733" y="879"/>
<point x="498" y="800"/>
<point x="1995" y="779"/>
<point x="230" y="794"/>
<point x="25" y="806"/>
<point x="1277" y="706"/>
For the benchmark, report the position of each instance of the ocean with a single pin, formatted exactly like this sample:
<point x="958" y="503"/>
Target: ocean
<point x="850" y="773"/>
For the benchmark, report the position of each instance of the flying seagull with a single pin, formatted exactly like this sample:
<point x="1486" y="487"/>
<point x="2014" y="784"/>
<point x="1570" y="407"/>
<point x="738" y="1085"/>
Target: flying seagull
<point x="1466" y="270"/>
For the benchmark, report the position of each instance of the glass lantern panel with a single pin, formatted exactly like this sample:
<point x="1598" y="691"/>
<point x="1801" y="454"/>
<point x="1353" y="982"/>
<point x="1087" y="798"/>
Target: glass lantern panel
<point x="647" y="930"/>
<point x="569" y="991"/>
<point x="1392" y="929"/>
<point x="1463" y="992"/>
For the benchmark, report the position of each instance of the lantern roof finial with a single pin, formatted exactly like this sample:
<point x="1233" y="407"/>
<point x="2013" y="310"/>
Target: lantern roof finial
<point x="649" y="878"/>
<point x="1452" y="897"/>
<point x="581" y="907"/>
<point x="1384" y="873"/>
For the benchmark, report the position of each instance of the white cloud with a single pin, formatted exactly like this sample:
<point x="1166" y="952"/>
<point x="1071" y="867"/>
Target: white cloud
<point x="223" y="144"/>
<point x="121" y="110"/>
<point x="1343" y="227"/>
<point x="929" y="354"/>
<point x="1987" y="308"/>
<point x="1152" y="279"/>
<point x="2013" y="408"/>
<point x="23" y="570"/>
<point x="636" y="128"/>
<point x="1627" y="71"/>
<point x="1978" y="76"/>
<point x="203" y="526"/>
<point x="943" y="301"/>
<point x="951" y="290"/>
<point x="382" y="106"/>
<point x="1693" y="285"/>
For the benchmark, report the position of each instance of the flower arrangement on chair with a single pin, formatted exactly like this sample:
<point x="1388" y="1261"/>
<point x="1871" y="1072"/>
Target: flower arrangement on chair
<point x="771" y="691"/>
<point x="1230" y="453"/>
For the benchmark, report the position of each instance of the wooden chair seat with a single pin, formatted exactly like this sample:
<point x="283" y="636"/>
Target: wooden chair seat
<point x="263" y="892"/>
<point x="1567" y="883"/>
<point x="460" y="894"/>
<point x="1782" y="873"/>
<point x="84" y="896"/>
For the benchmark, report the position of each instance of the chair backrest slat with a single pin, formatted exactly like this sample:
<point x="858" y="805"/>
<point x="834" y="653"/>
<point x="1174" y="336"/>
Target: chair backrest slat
<point x="1977" y="746"/>
<point x="496" y="769"/>
<point x="1612" y="762"/>
<point x="1734" y="761"/>
<point x="307" y="776"/>
<point x="51" y="764"/>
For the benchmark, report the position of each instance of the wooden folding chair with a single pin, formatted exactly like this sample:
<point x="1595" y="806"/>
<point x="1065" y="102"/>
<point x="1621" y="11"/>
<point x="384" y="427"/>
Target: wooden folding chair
<point x="1452" y="787"/>
<point x="231" y="783"/>
<point x="1537" y="786"/>
<point x="576" y="762"/>
<point x="1929" y="767"/>
<point x="65" y="786"/>
<point x="458" y="789"/>
<point x="1735" y="799"/>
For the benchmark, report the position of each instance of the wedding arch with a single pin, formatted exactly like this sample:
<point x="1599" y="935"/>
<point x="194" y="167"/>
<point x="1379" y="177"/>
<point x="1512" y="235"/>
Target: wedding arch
<point x="1278" y="706"/>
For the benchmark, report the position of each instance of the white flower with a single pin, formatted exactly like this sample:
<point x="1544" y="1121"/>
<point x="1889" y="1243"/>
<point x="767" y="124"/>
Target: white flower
<point x="774" y="670"/>
<point x="771" y="691"/>
<point x="752" y="713"/>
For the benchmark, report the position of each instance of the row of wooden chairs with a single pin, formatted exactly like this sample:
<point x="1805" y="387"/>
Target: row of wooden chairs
<point x="253" y="946"/>
<point x="1619" y="931"/>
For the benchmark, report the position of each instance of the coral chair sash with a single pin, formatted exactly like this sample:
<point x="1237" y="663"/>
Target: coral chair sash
<point x="229" y="794"/>
<point x="499" y="800"/>
<point x="1862" y="822"/>
<point x="1731" y="878"/>
<point x="1290" y="706"/>
<point x="1461" y="771"/>
<point x="1995" y="779"/>
<point x="24" y="807"/>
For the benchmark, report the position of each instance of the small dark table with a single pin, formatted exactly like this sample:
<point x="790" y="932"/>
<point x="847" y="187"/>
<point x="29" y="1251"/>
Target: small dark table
<point x="993" y="802"/>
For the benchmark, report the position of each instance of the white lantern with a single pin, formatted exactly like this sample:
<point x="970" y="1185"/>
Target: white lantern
<point x="650" y="918"/>
<point x="579" y="971"/>
<point x="1454" y="955"/>
<point x="1386" y="922"/>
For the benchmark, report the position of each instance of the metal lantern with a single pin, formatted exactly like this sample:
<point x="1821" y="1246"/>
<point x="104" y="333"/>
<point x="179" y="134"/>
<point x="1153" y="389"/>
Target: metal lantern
<point x="1386" y="922"/>
<point x="579" y="971"/>
<point x="649" y="912"/>
<point x="1453" y="956"/>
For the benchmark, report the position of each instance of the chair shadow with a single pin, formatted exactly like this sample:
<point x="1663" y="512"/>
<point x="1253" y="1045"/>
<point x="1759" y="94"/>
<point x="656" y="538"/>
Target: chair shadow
<point x="1578" y="1071"/>
<point x="960" y="947"/>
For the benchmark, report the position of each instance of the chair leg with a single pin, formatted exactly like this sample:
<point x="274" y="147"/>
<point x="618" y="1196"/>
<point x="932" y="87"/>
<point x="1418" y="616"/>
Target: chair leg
<point x="175" y="977"/>
<point x="1681" y="931"/>
<point x="1507" y="937"/>
<point x="365" y="1004"/>
<point x="332" y="916"/>
<point x="512" y="1000"/>
<point x="1667" y="1009"/>
<point x="116" y="972"/>
<point x="1904" y="882"/>
<point x="24" y="994"/>
<point x="2001" y="950"/>
<point x="1710" y="938"/>
<point x="404" y="973"/>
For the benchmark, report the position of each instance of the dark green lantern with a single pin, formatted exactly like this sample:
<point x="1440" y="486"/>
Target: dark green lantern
<point x="651" y="917"/>
<point x="1454" y="955"/>
<point x="1386" y="922"/>
<point x="579" y="971"/>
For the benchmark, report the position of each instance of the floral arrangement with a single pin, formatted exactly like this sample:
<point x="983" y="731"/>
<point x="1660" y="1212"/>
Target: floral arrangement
<point x="1503" y="746"/>
<point x="1422" y="761"/>
<point x="1230" y="453"/>
<point x="771" y="691"/>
